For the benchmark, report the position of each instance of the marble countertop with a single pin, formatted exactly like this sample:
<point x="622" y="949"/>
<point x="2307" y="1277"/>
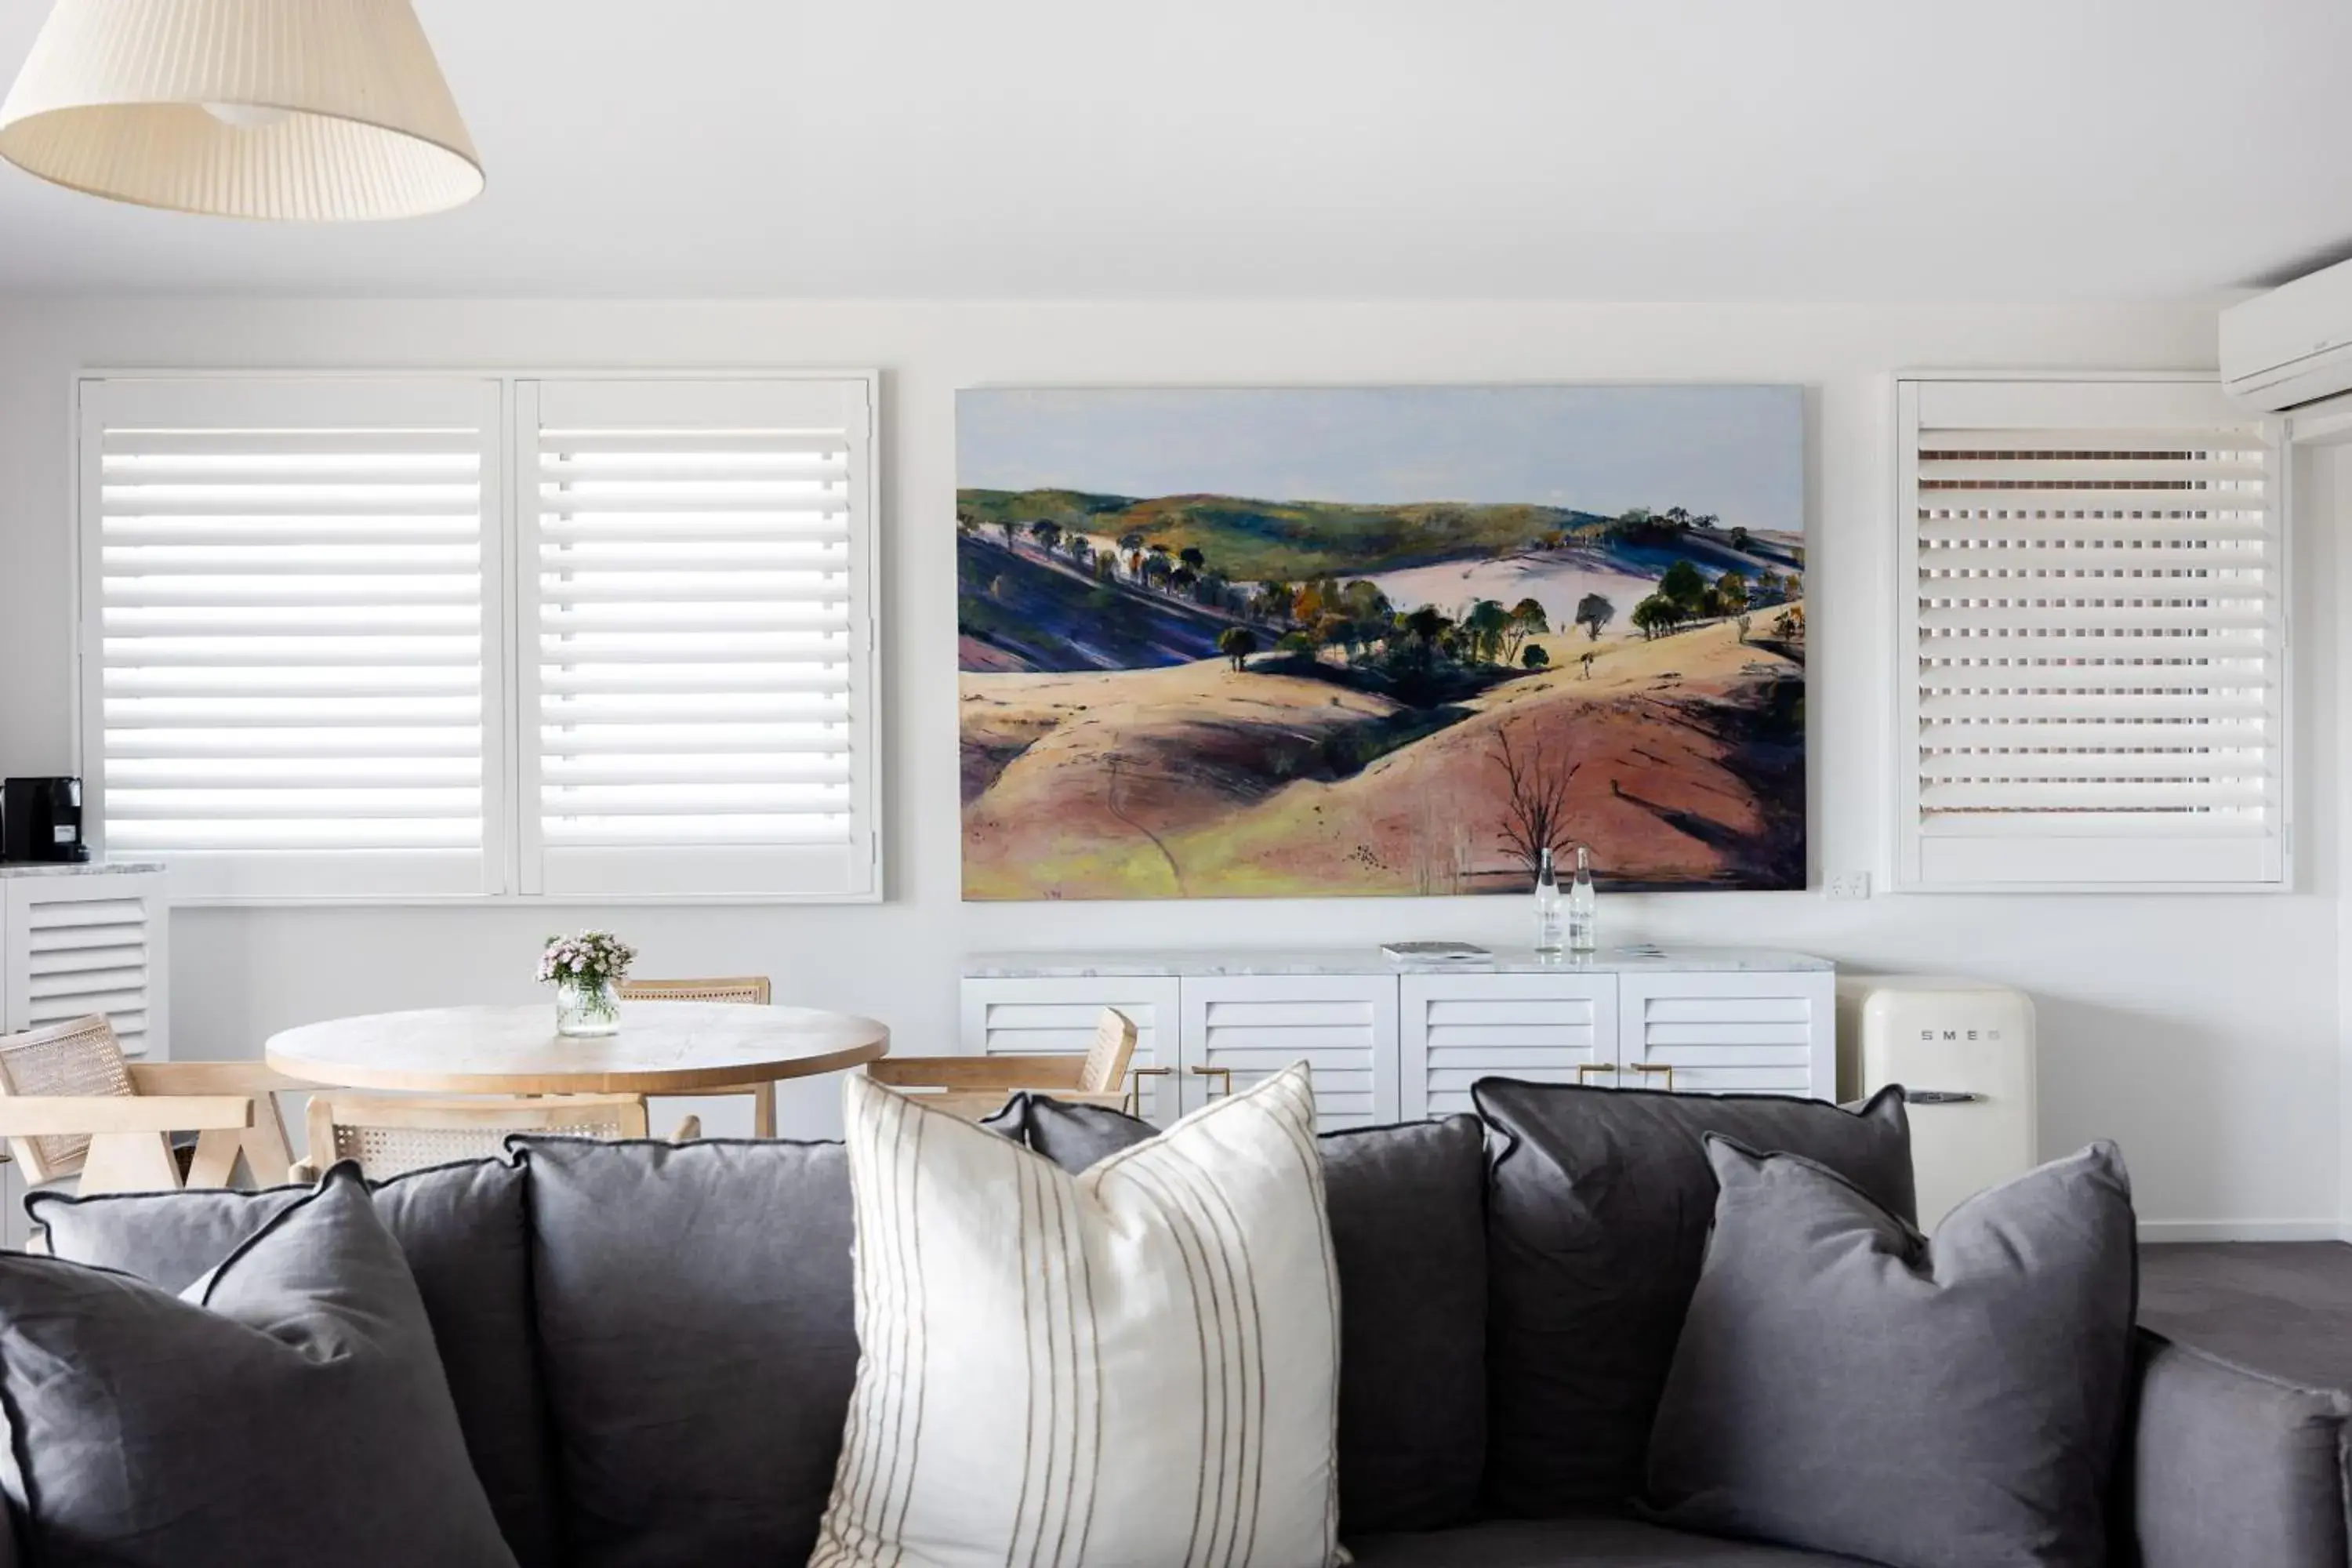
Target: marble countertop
<point x="1636" y="958"/>
<point x="74" y="868"/>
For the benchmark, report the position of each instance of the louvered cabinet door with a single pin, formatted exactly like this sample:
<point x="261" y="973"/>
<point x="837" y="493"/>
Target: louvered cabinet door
<point x="1020" y="1018"/>
<point x="1766" y="1033"/>
<point x="1243" y="1027"/>
<point x="90" y="944"/>
<point x="1455" y="1029"/>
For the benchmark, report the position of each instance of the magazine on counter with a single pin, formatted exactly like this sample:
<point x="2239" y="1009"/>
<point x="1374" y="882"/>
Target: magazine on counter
<point x="1449" y="954"/>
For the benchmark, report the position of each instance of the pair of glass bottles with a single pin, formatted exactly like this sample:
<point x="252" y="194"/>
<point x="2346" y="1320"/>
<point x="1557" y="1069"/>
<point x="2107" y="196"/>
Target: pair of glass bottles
<point x="1564" y="922"/>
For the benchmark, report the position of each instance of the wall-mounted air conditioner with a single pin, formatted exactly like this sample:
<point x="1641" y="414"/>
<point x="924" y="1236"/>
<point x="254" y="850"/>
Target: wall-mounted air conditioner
<point x="2292" y="345"/>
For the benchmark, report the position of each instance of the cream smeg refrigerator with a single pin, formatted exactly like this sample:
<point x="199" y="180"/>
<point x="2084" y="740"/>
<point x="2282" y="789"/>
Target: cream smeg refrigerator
<point x="1963" y="1051"/>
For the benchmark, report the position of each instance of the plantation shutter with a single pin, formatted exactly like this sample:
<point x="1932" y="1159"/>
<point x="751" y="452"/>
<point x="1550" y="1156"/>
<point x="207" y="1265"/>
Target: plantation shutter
<point x="696" y="684"/>
<point x="291" y="613"/>
<point x="2094" y="614"/>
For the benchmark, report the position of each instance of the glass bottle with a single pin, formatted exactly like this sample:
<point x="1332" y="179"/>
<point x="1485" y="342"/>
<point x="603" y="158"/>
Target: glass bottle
<point x="1581" y="935"/>
<point x="1548" y="924"/>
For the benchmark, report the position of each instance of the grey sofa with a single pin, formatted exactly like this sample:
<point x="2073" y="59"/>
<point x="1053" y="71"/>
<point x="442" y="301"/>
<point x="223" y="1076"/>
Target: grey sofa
<point x="650" y="1347"/>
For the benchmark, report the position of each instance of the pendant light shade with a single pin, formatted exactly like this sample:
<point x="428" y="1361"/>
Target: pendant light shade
<point x="321" y="110"/>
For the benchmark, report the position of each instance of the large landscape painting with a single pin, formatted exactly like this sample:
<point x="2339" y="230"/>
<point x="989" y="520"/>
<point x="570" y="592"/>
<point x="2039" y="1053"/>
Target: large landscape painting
<point x="1312" y="642"/>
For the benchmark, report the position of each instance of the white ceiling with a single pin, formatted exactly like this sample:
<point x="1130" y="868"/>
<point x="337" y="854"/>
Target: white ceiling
<point x="1855" y="150"/>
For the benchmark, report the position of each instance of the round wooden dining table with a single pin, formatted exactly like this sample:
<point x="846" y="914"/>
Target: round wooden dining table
<point x="661" y="1047"/>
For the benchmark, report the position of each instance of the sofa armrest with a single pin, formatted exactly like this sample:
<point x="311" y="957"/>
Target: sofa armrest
<point x="2230" y="1466"/>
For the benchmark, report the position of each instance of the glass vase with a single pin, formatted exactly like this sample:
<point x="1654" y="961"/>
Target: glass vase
<point x="586" y="1008"/>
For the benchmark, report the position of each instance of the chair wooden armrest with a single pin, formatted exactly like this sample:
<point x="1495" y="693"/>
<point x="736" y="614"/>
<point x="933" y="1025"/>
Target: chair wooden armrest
<point x="72" y="1115"/>
<point x="214" y="1078"/>
<point x="1051" y="1075"/>
<point x="263" y="1143"/>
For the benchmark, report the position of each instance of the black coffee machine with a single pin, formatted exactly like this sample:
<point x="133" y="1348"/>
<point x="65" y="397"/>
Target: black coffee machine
<point x="40" y="819"/>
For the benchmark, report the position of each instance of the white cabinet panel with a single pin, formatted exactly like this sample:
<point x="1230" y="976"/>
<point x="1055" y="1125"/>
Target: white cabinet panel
<point x="1057" y="1017"/>
<point x="1242" y="1027"/>
<point x="88" y="942"/>
<point x="1387" y="1045"/>
<point x="1745" y="1033"/>
<point x="1455" y="1029"/>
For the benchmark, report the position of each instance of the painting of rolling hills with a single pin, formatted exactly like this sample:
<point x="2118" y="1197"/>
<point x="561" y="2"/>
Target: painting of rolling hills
<point x="1390" y="640"/>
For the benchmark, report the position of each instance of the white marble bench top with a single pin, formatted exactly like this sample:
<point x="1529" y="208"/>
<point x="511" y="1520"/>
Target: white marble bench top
<point x="1635" y="959"/>
<point x="74" y="868"/>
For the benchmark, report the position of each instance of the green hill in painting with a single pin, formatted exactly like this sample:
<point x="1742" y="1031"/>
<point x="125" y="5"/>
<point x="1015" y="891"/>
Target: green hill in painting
<point x="1263" y="540"/>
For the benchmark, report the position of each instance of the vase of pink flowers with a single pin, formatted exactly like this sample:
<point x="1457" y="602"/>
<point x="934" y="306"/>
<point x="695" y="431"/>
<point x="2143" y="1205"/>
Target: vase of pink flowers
<point x="586" y="971"/>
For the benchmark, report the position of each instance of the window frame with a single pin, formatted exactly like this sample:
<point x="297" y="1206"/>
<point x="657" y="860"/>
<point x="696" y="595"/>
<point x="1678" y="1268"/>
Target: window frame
<point x="1902" y="835"/>
<point x="503" y="802"/>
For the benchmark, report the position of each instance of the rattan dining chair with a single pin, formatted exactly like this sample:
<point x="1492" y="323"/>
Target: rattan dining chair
<point x="72" y="1105"/>
<point x="389" y="1134"/>
<point x="974" y="1087"/>
<point x="747" y="990"/>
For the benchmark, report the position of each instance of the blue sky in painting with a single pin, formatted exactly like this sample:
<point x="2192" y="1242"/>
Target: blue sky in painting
<point x="1734" y="451"/>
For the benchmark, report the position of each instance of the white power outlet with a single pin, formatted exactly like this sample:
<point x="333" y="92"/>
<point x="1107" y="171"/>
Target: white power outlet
<point x="1850" y="885"/>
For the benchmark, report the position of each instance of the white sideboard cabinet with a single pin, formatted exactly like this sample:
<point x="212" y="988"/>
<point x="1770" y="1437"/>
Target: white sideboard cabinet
<point x="80" y="939"/>
<point x="1393" y="1043"/>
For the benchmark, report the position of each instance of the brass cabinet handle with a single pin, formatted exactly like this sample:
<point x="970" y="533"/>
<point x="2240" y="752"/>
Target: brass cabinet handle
<point x="1665" y="1067"/>
<point x="1583" y="1068"/>
<point x="1225" y="1073"/>
<point x="1133" y="1105"/>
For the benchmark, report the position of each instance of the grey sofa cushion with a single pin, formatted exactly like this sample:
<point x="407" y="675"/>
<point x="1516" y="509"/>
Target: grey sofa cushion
<point x="289" y="1409"/>
<point x="2233" y="1466"/>
<point x="696" y="1332"/>
<point x="1072" y="1136"/>
<point x="1598" y="1206"/>
<point x="1407" y="1228"/>
<point x="1843" y="1383"/>
<point x="1593" y="1543"/>
<point x="464" y="1231"/>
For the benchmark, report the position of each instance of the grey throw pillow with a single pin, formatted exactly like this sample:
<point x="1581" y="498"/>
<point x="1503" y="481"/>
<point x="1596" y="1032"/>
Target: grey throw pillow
<point x="1845" y="1385"/>
<point x="465" y="1232"/>
<point x="1598" y="1206"/>
<point x="699" y="1341"/>
<point x="1406" y="1207"/>
<point x="288" y="1407"/>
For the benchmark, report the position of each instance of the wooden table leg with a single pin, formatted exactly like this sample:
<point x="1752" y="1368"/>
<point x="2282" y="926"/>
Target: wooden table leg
<point x="764" y="1110"/>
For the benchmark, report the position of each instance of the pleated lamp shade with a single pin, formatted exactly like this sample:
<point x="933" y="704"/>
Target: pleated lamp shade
<point x="321" y="110"/>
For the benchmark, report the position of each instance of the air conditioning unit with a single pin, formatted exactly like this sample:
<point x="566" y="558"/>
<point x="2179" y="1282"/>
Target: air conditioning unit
<point x="2292" y="345"/>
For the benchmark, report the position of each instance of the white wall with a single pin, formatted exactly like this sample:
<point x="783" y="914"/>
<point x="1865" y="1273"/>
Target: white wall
<point x="2200" y="1031"/>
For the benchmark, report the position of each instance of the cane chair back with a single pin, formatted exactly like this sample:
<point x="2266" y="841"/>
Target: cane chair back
<point x="747" y="990"/>
<point x="390" y="1134"/>
<point x="1104" y="1071"/>
<point x="80" y="1057"/>
<point x="750" y="989"/>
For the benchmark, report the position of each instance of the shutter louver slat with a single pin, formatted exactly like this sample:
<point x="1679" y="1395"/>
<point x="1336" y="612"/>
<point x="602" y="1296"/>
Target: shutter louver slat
<point x="695" y="652"/>
<point x="2095" y="618"/>
<point x="292" y="604"/>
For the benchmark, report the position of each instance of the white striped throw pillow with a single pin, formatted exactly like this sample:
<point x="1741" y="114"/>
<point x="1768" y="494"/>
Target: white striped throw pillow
<point x="1136" y="1365"/>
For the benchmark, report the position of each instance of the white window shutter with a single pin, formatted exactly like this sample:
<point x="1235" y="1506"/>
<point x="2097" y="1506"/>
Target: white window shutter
<point x="697" y="679"/>
<point x="2093" y="607"/>
<point x="292" y="594"/>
